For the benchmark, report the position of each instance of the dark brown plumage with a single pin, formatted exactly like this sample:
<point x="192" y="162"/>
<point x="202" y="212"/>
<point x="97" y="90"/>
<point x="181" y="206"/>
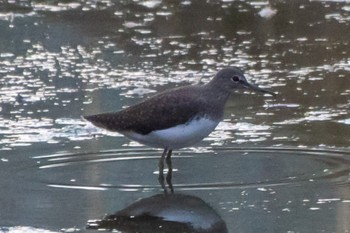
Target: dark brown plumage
<point x="173" y="107"/>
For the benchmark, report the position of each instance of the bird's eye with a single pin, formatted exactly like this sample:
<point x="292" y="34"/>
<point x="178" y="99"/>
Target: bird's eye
<point x="235" y="78"/>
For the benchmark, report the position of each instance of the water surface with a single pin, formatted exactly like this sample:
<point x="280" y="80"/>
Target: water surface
<point x="273" y="165"/>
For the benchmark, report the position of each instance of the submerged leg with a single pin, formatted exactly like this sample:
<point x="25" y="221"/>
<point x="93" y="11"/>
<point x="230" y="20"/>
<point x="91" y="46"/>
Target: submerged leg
<point x="170" y="171"/>
<point x="161" y="168"/>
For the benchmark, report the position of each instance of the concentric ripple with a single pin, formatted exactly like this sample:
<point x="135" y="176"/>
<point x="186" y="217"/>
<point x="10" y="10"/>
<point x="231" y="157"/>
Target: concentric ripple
<point x="226" y="168"/>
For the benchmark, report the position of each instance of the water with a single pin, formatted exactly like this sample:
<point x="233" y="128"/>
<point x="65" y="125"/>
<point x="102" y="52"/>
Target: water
<point x="273" y="165"/>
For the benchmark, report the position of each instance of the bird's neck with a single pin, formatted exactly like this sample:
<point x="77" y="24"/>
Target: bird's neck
<point x="217" y="93"/>
<point x="215" y="101"/>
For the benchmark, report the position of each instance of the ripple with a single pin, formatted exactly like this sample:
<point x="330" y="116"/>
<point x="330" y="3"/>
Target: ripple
<point x="229" y="168"/>
<point x="27" y="229"/>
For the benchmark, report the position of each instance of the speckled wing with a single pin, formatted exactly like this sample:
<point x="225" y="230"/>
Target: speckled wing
<point x="159" y="112"/>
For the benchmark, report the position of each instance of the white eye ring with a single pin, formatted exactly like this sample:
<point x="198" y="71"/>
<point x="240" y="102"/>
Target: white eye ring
<point x="235" y="78"/>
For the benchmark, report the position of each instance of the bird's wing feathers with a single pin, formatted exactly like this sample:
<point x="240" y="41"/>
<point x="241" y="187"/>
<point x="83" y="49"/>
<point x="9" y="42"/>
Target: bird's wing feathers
<point x="159" y="112"/>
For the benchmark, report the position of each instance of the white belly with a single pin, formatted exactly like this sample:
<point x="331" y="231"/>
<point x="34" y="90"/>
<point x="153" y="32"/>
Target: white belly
<point x="176" y="137"/>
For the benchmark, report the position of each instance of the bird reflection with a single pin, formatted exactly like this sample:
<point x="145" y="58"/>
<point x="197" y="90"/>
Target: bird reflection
<point x="163" y="213"/>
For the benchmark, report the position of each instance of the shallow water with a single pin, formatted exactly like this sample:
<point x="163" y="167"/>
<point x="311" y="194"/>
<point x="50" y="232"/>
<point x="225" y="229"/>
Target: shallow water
<point x="273" y="165"/>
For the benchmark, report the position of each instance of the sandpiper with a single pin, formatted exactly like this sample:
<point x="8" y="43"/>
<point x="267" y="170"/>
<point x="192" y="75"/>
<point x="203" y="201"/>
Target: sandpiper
<point x="178" y="117"/>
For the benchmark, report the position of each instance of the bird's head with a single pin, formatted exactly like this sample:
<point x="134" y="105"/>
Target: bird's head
<point x="233" y="79"/>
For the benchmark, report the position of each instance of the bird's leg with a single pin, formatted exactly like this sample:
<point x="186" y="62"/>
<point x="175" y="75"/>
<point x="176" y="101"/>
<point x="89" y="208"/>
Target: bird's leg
<point x="161" y="168"/>
<point x="170" y="171"/>
<point x="161" y="161"/>
<point x="168" y="158"/>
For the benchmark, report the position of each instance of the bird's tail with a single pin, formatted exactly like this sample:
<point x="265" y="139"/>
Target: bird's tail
<point x="105" y="120"/>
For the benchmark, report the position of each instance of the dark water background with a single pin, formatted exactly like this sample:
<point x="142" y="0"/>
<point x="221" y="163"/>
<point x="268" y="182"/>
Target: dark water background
<point x="273" y="165"/>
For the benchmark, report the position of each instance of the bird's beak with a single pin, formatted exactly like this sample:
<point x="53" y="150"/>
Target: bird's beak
<point x="258" y="89"/>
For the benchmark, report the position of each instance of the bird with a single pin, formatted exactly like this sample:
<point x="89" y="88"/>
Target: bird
<point x="178" y="117"/>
